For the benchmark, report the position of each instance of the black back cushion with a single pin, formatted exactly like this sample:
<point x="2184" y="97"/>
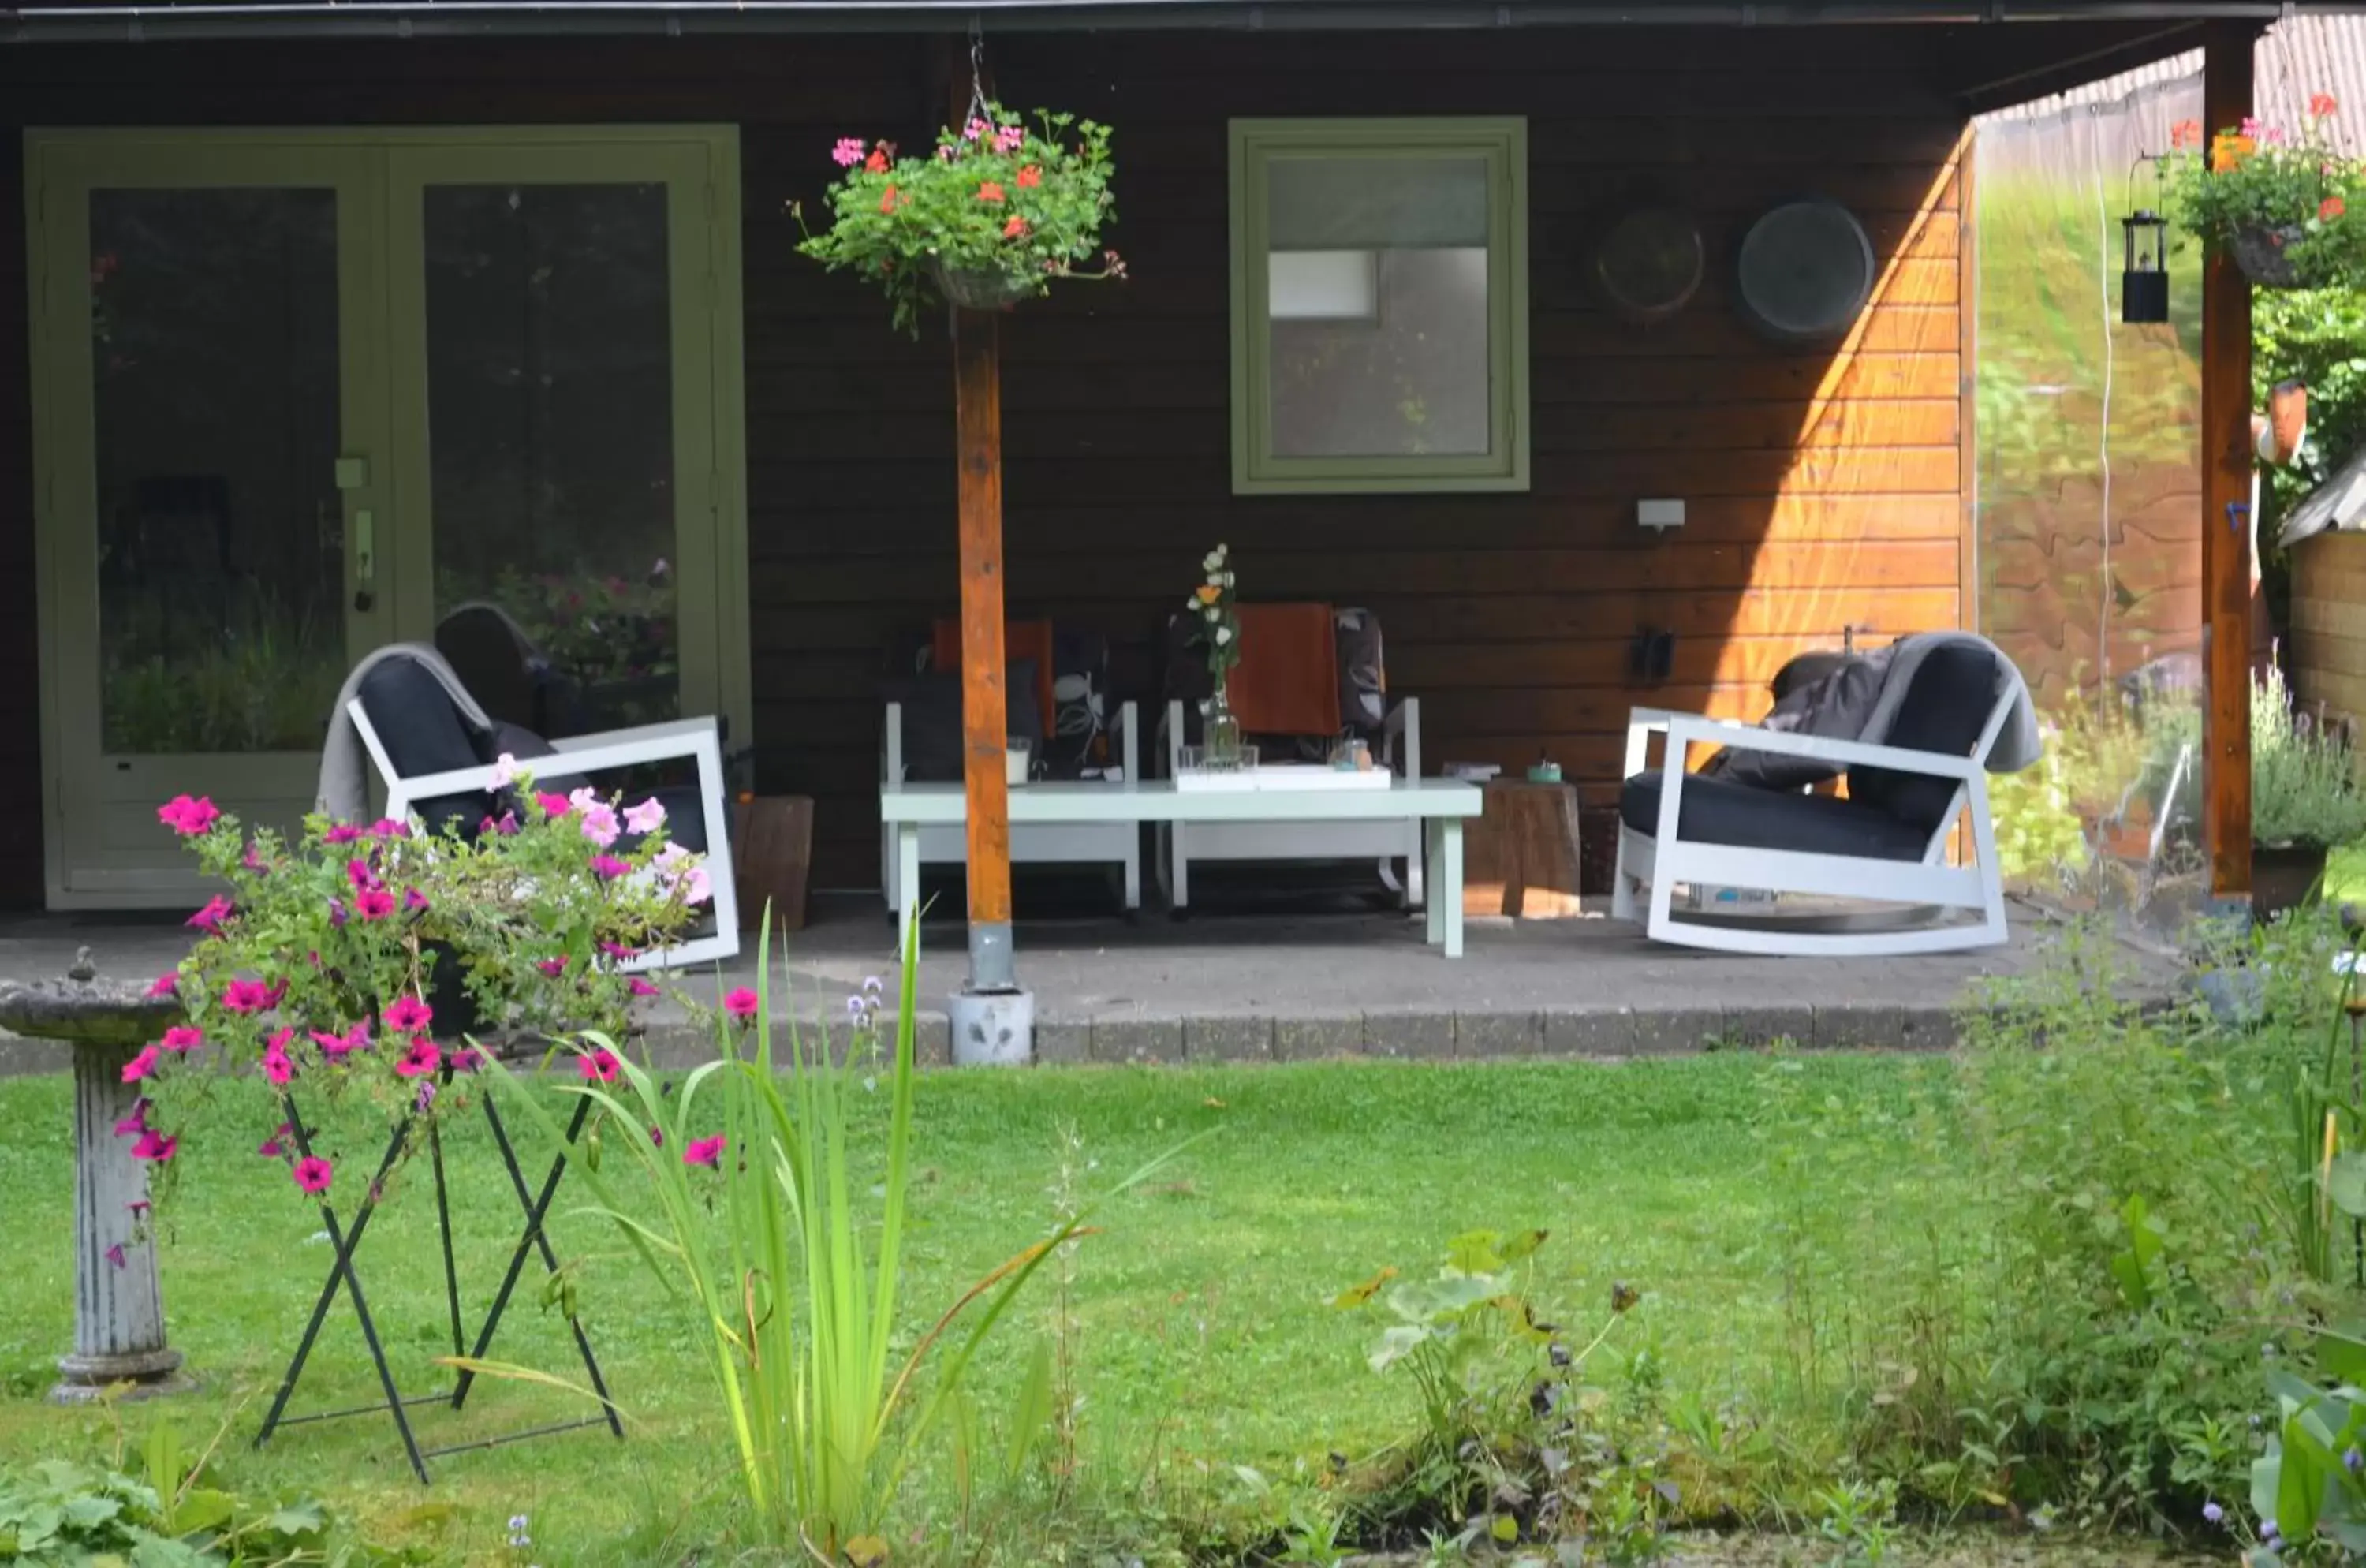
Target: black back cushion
<point x="1944" y="710"/>
<point x="423" y="733"/>
<point x="933" y="718"/>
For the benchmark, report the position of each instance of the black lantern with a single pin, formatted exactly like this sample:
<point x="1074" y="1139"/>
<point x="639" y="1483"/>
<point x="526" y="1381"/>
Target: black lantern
<point x="2144" y="274"/>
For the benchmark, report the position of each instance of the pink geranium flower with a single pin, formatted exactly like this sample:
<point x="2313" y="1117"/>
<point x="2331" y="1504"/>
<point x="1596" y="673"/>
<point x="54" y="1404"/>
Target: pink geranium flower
<point x="375" y="904"/>
<point x="141" y="1065"/>
<point x="703" y="1151"/>
<point x="1009" y="139"/>
<point x="186" y="816"/>
<point x="641" y="987"/>
<point x="647" y="817"/>
<point x="164" y="984"/>
<point x="184" y="1037"/>
<point x="210" y="918"/>
<point x="155" y="1146"/>
<point x="599" y="1067"/>
<point x="848" y="153"/>
<point x="340" y="833"/>
<point x="313" y="1174"/>
<point x="408" y="1015"/>
<point x="246" y="996"/>
<point x="423" y="1057"/>
<point x="740" y="1003"/>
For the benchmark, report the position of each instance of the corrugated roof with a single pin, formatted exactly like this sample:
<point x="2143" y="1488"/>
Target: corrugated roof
<point x="2297" y="58"/>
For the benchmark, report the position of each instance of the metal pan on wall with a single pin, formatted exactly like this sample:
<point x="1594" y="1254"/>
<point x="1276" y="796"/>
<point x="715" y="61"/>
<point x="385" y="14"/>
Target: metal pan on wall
<point x="1648" y="263"/>
<point x="1805" y="271"/>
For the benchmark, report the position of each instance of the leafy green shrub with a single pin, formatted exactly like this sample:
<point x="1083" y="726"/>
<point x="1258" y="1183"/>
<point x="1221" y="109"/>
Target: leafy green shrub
<point x="55" y="1512"/>
<point x="2304" y="778"/>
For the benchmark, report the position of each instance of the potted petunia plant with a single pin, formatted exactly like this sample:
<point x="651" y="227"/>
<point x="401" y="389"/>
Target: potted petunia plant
<point x="993" y="215"/>
<point x="2279" y="202"/>
<point x="384" y="961"/>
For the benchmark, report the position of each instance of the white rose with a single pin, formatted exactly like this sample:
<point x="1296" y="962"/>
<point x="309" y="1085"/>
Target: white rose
<point x="1213" y="612"/>
<point x="1215" y="559"/>
<point x="1223" y="635"/>
<point x="1192" y="603"/>
<point x="1215" y="580"/>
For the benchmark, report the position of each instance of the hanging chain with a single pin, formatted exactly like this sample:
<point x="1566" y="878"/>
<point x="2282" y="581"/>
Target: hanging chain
<point x="977" y="74"/>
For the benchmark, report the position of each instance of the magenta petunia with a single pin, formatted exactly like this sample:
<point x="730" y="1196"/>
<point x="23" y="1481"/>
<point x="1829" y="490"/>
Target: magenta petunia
<point x="608" y="867"/>
<point x="115" y="1255"/>
<point x="359" y="874"/>
<point x="641" y="987"/>
<point x="141" y="1065"/>
<point x="413" y="899"/>
<point x="423" y="1057"/>
<point x="554" y="967"/>
<point x="599" y="1067"/>
<point x="247" y="996"/>
<point x="342" y="833"/>
<point x="131" y="1126"/>
<point x="740" y="1004"/>
<point x="388" y="828"/>
<point x="336" y="914"/>
<point x="209" y="918"/>
<point x="155" y="1146"/>
<point x="184" y="1037"/>
<point x="188" y="817"/>
<point x="166" y="985"/>
<point x="313" y="1174"/>
<point x="618" y="951"/>
<point x="703" y="1151"/>
<point x="554" y="805"/>
<point x="276" y="1065"/>
<point x="253" y="860"/>
<point x="270" y="1148"/>
<point x="407" y="1015"/>
<point x="467" y="1058"/>
<point x="373" y="904"/>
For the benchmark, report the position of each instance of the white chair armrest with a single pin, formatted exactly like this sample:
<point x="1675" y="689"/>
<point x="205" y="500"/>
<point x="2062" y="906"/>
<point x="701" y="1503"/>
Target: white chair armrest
<point x="1684" y="728"/>
<point x="1644" y="723"/>
<point x="670" y="729"/>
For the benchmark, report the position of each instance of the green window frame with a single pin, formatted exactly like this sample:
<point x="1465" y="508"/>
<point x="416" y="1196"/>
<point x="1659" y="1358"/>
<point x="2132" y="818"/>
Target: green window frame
<point x="1256" y="146"/>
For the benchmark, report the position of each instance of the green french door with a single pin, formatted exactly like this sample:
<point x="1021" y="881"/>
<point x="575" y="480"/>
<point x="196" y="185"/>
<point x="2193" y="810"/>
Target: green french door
<point x="301" y="394"/>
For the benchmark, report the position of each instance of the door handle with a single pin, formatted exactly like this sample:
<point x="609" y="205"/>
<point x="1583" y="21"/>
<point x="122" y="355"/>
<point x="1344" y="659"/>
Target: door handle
<point x="364" y="560"/>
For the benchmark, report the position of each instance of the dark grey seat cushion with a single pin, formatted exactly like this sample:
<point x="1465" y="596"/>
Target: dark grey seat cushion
<point x="933" y="718"/>
<point x="1718" y="811"/>
<point x="1953" y="692"/>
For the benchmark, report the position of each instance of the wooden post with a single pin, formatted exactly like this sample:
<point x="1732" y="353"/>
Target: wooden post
<point x="978" y="416"/>
<point x="2226" y="522"/>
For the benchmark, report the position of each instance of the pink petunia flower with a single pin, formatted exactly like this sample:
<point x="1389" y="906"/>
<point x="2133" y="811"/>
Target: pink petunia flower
<point x="270" y="1148"/>
<point x="554" y="967"/>
<point x="188" y="817"/>
<point x="423" y="1057"/>
<point x="253" y="860"/>
<point x="246" y="996"/>
<point x="141" y="1065"/>
<point x="388" y="828"/>
<point x="848" y="153"/>
<point x="641" y="987"/>
<point x="276" y="1066"/>
<point x="696" y="887"/>
<point x="359" y="874"/>
<point x="467" y="1058"/>
<point x="375" y="904"/>
<point x="553" y="805"/>
<point x="505" y="771"/>
<point x="618" y="951"/>
<point x="336" y="914"/>
<point x="155" y="1146"/>
<point x="599" y="1067"/>
<point x="209" y="918"/>
<point x="703" y="1151"/>
<point x="342" y="833"/>
<point x="184" y="1037"/>
<point x="131" y="1126"/>
<point x="647" y="817"/>
<point x="407" y="1015"/>
<point x="608" y="867"/>
<point x="313" y="1174"/>
<point x="740" y="1004"/>
<point x="599" y="816"/>
<point x="166" y="985"/>
<point x="413" y="899"/>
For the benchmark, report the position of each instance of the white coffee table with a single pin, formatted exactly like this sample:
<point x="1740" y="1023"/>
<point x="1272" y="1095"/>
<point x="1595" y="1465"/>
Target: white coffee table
<point x="1441" y="804"/>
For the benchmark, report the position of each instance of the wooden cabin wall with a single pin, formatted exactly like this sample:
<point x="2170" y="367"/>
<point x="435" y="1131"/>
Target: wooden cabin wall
<point x="1828" y="487"/>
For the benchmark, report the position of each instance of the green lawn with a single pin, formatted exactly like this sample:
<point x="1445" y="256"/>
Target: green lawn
<point x="1206" y="1341"/>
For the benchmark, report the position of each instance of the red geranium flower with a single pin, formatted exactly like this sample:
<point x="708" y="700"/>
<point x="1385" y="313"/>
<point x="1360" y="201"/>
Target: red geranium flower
<point x="990" y="191"/>
<point x="2330" y="208"/>
<point x="1029" y="178"/>
<point x="1014" y="228"/>
<point x="2321" y="105"/>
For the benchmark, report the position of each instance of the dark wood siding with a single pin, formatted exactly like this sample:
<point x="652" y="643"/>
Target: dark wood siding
<point x="1825" y="485"/>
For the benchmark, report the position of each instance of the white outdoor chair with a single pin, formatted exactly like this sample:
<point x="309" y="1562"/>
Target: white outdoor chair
<point x="437" y="767"/>
<point x="1886" y="844"/>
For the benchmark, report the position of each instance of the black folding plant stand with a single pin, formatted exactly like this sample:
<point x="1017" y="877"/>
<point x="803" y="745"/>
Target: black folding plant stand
<point x="346" y="1243"/>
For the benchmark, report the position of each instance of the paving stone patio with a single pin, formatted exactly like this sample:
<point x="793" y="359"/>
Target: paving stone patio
<point x="1290" y="987"/>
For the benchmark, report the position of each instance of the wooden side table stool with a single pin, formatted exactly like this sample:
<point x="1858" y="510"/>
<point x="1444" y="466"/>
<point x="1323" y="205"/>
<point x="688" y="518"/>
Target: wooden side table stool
<point x="1521" y="856"/>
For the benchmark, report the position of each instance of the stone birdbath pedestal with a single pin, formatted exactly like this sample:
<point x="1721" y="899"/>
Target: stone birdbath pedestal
<point x="118" y="1306"/>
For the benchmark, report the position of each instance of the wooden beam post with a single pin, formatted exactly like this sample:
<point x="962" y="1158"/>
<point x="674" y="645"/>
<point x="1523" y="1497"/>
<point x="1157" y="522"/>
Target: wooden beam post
<point x="2226" y="522"/>
<point x="985" y="732"/>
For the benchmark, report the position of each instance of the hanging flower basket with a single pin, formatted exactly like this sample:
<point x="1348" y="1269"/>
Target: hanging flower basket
<point x="977" y="288"/>
<point x="997" y="212"/>
<point x="2275" y="202"/>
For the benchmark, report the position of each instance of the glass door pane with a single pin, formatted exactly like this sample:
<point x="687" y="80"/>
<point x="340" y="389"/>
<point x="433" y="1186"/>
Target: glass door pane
<point x="550" y="388"/>
<point x="214" y="337"/>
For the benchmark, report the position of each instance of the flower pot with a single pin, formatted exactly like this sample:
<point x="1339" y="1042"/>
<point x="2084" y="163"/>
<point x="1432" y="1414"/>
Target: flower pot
<point x="2263" y="255"/>
<point x="982" y="289"/>
<point x="2283" y="876"/>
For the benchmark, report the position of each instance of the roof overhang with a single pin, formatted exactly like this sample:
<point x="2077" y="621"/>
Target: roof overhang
<point x="89" y="21"/>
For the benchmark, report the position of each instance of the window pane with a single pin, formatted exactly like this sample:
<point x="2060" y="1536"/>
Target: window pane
<point x="222" y="557"/>
<point x="1377" y="304"/>
<point x="551" y="410"/>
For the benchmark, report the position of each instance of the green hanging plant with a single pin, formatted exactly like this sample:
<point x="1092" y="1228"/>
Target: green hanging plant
<point x="2289" y="208"/>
